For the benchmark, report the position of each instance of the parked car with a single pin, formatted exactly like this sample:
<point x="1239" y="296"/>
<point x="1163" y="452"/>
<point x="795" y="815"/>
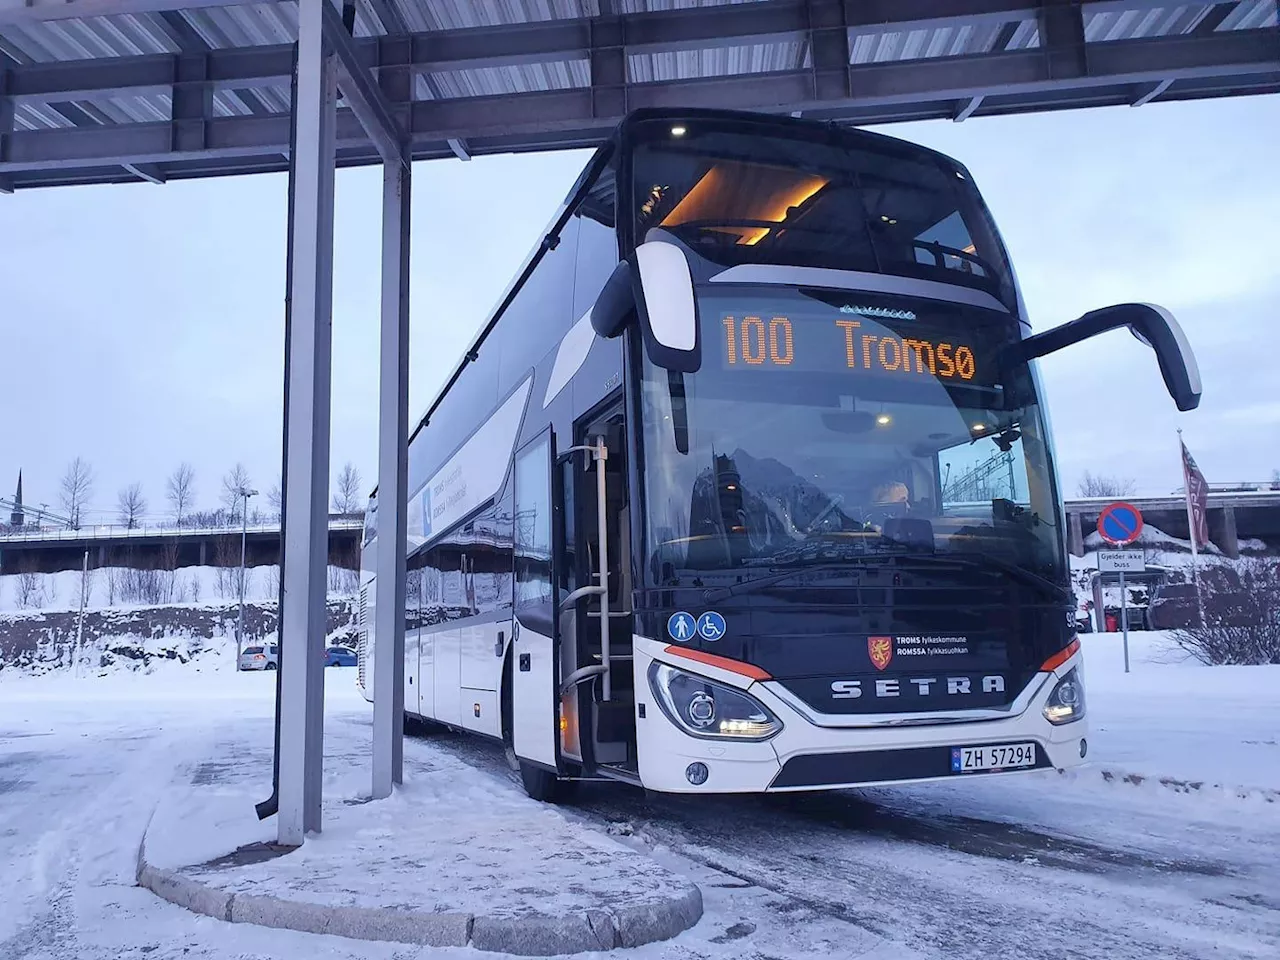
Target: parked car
<point x="339" y="657"/>
<point x="260" y="658"/>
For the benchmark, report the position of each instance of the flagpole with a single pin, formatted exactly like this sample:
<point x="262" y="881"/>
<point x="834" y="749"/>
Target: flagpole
<point x="1191" y="526"/>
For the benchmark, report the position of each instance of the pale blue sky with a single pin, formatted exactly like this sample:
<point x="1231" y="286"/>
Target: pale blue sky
<point x="143" y="325"/>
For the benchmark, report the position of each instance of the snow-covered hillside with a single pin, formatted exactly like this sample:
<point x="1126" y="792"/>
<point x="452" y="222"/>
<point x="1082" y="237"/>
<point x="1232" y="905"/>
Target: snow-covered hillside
<point x="201" y="636"/>
<point x="125" y="587"/>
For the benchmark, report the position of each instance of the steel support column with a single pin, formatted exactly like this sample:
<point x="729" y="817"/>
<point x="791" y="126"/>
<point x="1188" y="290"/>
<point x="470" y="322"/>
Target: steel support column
<point x="6" y="118"/>
<point x="309" y="350"/>
<point x="393" y="434"/>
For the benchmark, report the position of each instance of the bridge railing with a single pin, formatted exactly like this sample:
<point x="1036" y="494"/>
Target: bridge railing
<point x="119" y="531"/>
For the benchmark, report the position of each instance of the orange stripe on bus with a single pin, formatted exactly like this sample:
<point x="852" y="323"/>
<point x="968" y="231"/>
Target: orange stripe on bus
<point x="1061" y="657"/>
<point x="724" y="663"/>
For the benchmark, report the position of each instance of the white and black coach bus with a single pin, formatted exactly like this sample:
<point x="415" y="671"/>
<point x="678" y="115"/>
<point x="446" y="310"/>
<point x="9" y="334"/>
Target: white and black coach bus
<point x="747" y="483"/>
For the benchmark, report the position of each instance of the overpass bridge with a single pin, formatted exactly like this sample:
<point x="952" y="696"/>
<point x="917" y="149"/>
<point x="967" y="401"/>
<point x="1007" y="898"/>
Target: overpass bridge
<point x="1232" y="516"/>
<point x="26" y="550"/>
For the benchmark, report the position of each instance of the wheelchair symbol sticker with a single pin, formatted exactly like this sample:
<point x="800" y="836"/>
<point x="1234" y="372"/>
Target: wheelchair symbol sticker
<point x="711" y="626"/>
<point x="680" y="626"/>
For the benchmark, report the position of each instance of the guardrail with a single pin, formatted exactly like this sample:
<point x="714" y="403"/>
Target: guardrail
<point x="121" y="532"/>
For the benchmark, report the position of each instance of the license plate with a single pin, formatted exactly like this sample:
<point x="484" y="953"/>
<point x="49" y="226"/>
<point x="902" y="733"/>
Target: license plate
<point x="992" y="756"/>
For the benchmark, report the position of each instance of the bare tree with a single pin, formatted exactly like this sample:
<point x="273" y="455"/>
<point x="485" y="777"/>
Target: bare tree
<point x="131" y="505"/>
<point x="1241" y="615"/>
<point x="181" y="491"/>
<point x="169" y="564"/>
<point x="87" y="578"/>
<point x="233" y="482"/>
<point x="347" y="498"/>
<point x="30" y="589"/>
<point x="226" y="559"/>
<point x="1092" y="485"/>
<point x="275" y="497"/>
<point x="75" y="489"/>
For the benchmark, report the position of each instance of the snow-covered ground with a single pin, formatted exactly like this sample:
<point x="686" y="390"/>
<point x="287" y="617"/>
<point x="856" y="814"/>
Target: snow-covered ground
<point x="1106" y="862"/>
<point x="1175" y="718"/>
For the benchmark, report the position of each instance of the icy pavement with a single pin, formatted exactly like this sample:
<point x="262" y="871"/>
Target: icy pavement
<point x="1021" y="867"/>
<point x="445" y="860"/>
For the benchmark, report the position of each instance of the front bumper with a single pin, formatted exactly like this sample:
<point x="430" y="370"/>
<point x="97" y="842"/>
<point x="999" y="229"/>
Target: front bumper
<point x="806" y="755"/>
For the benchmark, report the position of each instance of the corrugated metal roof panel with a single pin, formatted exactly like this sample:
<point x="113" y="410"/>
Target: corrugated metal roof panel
<point x="1026" y="36"/>
<point x="926" y="43"/>
<point x="641" y="6"/>
<point x="420" y="15"/>
<point x="91" y="38"/>
<point x="254" y="102"/>
<point x="718" y="62"/>
<point x="250" y="25"/>
<point x="1173" y="20"/>
<point x="38" y="116"/>
<point x="1252" y="15"/>
<point x="508" y="78"/>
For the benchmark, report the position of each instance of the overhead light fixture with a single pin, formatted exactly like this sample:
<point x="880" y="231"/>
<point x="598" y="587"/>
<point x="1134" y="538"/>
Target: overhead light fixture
<point x="884" y="419"/>
<point x="678" y="130"/>
<point x="979" y="427"/>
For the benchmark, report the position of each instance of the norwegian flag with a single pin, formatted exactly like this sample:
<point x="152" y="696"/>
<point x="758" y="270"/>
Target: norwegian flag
<point x="1197" y="498"/>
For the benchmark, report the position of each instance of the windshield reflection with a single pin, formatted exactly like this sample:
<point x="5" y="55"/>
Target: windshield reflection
<point x="824" y="455"/>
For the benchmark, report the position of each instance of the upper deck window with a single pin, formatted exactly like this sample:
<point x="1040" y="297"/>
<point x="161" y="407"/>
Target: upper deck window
<point x="886" y="207"/>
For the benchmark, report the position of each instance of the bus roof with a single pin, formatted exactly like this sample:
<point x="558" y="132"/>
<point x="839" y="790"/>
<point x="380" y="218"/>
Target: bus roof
<point x="783" y="124"/>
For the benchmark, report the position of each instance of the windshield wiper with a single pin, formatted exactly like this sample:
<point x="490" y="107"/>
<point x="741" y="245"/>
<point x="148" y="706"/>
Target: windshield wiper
<point x="977" y="561"/>
<point x="985" y="561"/>
<point x="758" y="583"/>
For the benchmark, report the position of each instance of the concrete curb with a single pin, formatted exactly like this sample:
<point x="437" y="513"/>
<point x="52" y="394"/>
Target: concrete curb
<point x="534" y="936"/>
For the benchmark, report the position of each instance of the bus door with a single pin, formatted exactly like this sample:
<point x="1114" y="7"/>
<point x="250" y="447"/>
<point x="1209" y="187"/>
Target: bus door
<point x="534" y="672"/>
<point x="598" y="696"/>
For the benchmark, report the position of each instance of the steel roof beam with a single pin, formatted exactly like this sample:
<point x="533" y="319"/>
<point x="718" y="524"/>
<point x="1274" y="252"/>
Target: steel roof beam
<point x="34" y="11"/>
<point x="535" y="42"/>
<point x="1114" y="72"/>
<point x="360" y="92"/>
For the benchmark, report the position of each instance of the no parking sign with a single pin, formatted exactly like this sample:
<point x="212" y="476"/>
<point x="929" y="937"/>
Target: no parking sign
<point x="1120" y="523"/>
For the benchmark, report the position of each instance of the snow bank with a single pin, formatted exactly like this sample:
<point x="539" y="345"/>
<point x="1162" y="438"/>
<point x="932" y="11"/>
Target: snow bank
<point x="61" y="591"/>
<point x="1175" y="719"/>
<point x="145" y="639"/>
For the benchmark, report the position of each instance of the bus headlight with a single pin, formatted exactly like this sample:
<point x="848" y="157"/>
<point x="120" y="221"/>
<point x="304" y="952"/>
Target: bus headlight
<point x="1066" y="702"/>
<point x="703" y="708"/>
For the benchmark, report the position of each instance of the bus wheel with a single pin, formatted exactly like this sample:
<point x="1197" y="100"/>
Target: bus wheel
<point x="544" y="785"/>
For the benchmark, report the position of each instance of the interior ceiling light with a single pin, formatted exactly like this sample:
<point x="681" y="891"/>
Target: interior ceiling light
<point x="979" y="427"/>
<point x="718" y="195"/>
<point x="884" y="419"/>
<point x="678" y="131"/>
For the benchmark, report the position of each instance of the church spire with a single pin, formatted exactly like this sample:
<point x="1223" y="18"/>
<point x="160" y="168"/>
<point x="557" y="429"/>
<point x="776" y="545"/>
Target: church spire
<point x="17" y="518"/>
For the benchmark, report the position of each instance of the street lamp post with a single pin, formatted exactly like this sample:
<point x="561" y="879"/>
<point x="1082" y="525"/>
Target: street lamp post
<point x="245" y="494"/>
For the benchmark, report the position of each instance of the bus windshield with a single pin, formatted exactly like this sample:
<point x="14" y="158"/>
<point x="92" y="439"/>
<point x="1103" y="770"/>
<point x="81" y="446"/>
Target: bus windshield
<point x="854" y="202"/>
<point x="824" y="426"/>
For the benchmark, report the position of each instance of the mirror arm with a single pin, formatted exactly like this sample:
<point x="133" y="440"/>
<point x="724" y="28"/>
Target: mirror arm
<point x="1089" y="325"/>
<point x="1153" y="325"/>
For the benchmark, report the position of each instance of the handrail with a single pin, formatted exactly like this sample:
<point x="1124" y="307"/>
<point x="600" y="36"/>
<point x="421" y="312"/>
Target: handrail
<point x="581" y="674"/>
<point x="588" y="591"/>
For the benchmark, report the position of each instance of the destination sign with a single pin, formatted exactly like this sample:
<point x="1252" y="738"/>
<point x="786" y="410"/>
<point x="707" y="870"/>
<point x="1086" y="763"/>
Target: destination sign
<point x="759" y="342"/>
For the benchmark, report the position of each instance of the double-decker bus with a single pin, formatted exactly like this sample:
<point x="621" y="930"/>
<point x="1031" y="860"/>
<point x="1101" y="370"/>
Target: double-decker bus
<point x="747" y="484"/>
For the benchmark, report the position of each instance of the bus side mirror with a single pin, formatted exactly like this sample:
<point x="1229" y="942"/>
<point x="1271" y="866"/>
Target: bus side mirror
<point x="1153" y="325"/>
<point x="657" y="284"/>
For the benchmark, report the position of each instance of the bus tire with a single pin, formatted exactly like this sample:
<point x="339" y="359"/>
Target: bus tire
<point x="544" y="785"/>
